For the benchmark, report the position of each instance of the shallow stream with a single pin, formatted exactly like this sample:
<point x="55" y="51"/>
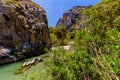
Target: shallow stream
<point x="7" y="71"/>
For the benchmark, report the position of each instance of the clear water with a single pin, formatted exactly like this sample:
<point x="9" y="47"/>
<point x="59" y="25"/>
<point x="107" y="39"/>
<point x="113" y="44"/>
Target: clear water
<point x="7" y="71"/>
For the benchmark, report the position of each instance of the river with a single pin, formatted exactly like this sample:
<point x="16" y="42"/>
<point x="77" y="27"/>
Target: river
<point x="7" y="71"/>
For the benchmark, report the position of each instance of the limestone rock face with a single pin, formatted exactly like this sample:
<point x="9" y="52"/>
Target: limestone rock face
<point x="70" y="16"/>
<point x="23" y="28"/>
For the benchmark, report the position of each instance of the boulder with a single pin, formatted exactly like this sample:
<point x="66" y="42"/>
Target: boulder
<point x="23" y="29"/>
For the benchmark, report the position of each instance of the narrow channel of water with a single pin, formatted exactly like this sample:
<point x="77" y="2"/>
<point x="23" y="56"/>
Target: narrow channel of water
<point x="7" y="71"/>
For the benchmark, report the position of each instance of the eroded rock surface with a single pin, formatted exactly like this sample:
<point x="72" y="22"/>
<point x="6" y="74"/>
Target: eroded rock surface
<point x="23" y="28"/>
<point x="71" y="16"/>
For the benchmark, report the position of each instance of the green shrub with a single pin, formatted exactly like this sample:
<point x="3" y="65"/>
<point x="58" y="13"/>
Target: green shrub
<point x="97" y="54"/>
<point x="97" y="47"/>
<point x="58" y="36"/>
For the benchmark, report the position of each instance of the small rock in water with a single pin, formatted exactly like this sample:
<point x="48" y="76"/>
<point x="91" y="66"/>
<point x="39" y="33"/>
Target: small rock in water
<point x="24" y="64"/>
<point x="27" y="63"/>
<point x="40" y="59"/>
<point x="32" y="62"/>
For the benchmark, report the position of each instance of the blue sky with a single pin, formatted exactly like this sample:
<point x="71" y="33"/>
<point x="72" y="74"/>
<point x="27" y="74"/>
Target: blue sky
<point x="56" y="8"/>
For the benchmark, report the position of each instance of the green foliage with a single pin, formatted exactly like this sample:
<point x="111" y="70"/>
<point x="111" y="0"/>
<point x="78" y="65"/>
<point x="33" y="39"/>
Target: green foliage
<point x="104" y="13"/>
<point x="81" y="66"/>
<point x="60" y="65"/>
<point x="40" y="74"/>
<point x="60" y="32"/>
<point x="97" y="55"/>
<point x="97" y="46"/>
<point x="41" y="71"/>
<point x="46" y="50"/>
<point x="90" y="61"/>
<point x="58" y="36"/>
<point x="71" y="35"/>
<point x="54" y="39"/>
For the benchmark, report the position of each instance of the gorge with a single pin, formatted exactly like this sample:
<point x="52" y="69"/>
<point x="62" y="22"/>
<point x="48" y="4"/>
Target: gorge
<point x="84" y="44"/>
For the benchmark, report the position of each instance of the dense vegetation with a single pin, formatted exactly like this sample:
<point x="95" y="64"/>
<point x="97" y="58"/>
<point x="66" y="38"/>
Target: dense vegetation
<point x="60" y="36"/>
<point x="97" y="47"/>
<point x="97" y="53"/>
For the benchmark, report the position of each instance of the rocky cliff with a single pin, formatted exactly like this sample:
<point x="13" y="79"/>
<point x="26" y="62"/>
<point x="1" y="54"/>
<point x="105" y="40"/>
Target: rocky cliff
<point x="69" y="17"/>
<point x="23" y="30"/>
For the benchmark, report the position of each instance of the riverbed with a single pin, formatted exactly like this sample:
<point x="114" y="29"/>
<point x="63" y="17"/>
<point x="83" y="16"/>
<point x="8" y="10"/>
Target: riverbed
<point x="7" y="71"/>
